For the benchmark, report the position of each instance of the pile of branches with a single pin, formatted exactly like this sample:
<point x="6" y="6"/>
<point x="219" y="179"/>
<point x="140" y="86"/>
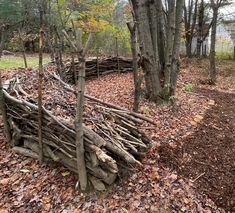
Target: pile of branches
<point x="96" y="67"/>
<point x="113" y="136"/>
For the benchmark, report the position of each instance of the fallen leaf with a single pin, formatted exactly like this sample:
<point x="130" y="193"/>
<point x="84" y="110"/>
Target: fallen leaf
<point x="193" y="123"/>
<point x="211" y="102"/>
<point x="4" y="181"/>
<point x="198" y="118"/>
<point x="25" y="171"/>
<point x="64" y="174"/>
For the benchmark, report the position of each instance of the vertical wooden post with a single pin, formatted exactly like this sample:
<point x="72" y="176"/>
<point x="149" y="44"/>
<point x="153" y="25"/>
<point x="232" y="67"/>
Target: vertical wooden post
<point x="40" y="77"/>
<point x="117" y="54"/>
<point x="80" y="87"/>
<point x="97" y="62"/>
<point x="4" y="113"/>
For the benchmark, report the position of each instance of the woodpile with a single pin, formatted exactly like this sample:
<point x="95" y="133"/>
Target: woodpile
<point x="113" y="136"/>
<point x="96" y="68"/>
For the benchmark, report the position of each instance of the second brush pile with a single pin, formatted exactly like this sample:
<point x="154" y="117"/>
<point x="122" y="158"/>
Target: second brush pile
<point x="97" y="67"/>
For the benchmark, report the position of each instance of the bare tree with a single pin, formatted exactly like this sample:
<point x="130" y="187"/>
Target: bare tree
<point x="215" y="5"/>
<point x="158" y="53"/>
<point x="145" y="16"/>
<point x="201" y="14"/>
<point x="190" y="18"/>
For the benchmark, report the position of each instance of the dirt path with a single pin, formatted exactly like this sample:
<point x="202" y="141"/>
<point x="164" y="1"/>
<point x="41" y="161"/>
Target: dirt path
<point x="208" y="155"/>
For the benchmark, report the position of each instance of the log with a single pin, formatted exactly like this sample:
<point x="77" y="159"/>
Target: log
<point x="25" y="152"/>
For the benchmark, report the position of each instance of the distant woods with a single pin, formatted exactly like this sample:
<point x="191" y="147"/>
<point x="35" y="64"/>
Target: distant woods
<point x="107" y="18"/>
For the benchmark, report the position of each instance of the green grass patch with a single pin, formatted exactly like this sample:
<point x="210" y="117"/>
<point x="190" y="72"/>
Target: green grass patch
<point x="188" y="87"/>
<point x="9" y="62"/>
<point x="224" y="55"/>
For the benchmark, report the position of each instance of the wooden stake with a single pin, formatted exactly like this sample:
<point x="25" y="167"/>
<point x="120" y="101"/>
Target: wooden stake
<point x="40" y="77"/>
<point x="80" y="87"/>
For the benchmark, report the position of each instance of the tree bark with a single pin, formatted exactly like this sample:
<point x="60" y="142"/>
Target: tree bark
<point x="144" y="15"/>
<point x="136" y="76"/>
<point x="213" y="40"/>
<point x="161" y="41"/>
<point x="169" y="47"/>
<point x="176" y="47"/>
<point x="190" y="18"/>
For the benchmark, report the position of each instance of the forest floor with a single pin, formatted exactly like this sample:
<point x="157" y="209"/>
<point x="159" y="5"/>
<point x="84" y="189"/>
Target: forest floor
<point x="190" y="166"/>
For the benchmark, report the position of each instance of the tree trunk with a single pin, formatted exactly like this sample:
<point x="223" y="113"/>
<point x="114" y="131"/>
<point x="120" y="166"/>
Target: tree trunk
<point x="212" y="48"/>
<point x="190" y="18"/>
<point x="58" y="52"/>
<point x="148" y="46"/>
<point x="137" y="80"/>
<point x="161" y="41"/>
<point x="48" y="33"/>
<point x="2" y="41"/>
<point x="188" y="46"/>
<point x="169" y="47"/>
<point x="23" y="47"/>
<point x="117" y="55"/>
<point x="200" y="28"/>
<point x="176" y="47"/>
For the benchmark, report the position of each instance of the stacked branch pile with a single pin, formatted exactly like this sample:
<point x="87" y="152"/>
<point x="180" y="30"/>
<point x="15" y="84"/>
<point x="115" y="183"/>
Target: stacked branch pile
<point x="96" y="67"/>
<point x="113" y="136"/>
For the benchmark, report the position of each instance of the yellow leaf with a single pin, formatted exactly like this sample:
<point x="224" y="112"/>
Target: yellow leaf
<point x="211" y="102"/>
<point x="193" y="123"/>
<point x="64" y="174"/>
<point x="198" y="118"/>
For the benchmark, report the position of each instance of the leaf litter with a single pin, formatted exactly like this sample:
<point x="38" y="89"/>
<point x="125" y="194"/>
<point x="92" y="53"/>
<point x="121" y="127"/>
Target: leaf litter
<point x="155" y="187"/>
